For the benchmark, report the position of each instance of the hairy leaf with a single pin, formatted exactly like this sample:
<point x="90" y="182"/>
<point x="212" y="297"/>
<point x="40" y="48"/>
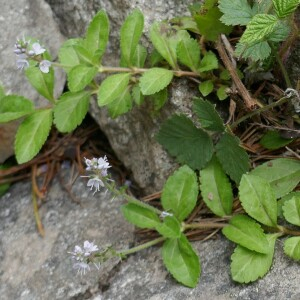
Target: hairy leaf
<point x="292" y="247"/>
<point x="256" y="52"/>
<point x="209" y="62"/>
<point x="281" y="32"/>
<point x="190" y="145"/>
<point x="206" y="87"/>
<point x="32" y="134"/>
<point x="291" y="210"/>
<point x="180" y="193"/>
<point x="170" y="228"/>
<point x="188" y="52"/>
<point x="284" y="8"/>
<point x="80" y="76"/>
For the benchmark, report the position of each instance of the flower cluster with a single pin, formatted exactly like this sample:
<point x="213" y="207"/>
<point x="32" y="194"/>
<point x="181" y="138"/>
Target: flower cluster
<point x="82" y="256"/>
<point x="24" y="52"/>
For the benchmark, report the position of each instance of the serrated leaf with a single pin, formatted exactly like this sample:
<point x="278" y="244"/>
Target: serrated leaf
<point x="163" y="44"/>
<point x="70" y="110"/>
<point x="180" y="193"/>
<point x="159" y="99"/>
<point x="112" y="87"/>
<point x="222" y="92"/>
<point x="258" y="199"/>
<point x="137" y="96"/>
<point x="67" y="54"/>
<point x="80" y="76"/>
<point x="181" y="261"/>
<point x="139" y="56"/>
<point x="259" y="28"/>
<point x="121" y="105"/>
<point x="85" y="56"/>
<point x="209" y="62"/>
<point x="32" y="134"/>
<point x="140" y="216"/>
<point x="281" y="202"/>
<point x="272" y="140"/>
<point x="170" y="228"/>
<point x="256" y="52"/>
<point x="154" y="80"/>
<point x="190" y="145"/>
<point x="206" y="87"/>
<point x="13" y="107"/>
<point x="247" y="266"/>
<point x="208" y="116"/>
<point x="209" y="24"/>
<point x="291" y="210"/>
<point x="130" y="35"/>
<point x="292" y="247"/>
<point x="216" y="189"/>
<point x="97" y="34"/>
<point x="236" y="12"/>
<point x="232" y="156"/>
<point x="283" y="175"/>
<point x="280" y="33"/>
<point x="247" y="233"/>
<point x="42" y="82"/>
<point x="188" y="52"/>
<point x="284" y="8"/>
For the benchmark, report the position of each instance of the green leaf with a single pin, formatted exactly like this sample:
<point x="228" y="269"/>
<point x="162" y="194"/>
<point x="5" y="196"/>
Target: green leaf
<point x="190" y="145"/>
<point x="222" y="92"/>
<point x="154" y="80"/>
<point x="67" y="54"/>
<point x="170" y="228"/>
<point x="291" y="210"/>
<point x="216" y="189"/>
<point x="155" y="58"/>
<point x="236" y="12"/>
<point x="159" y="99"/>
<point x="70" y="110"/>
<point x="141" y="217"/>
<point x="258" y="199"/>
<point x="121" y="105"/>
<point x="281" y="202"/>
<point x="292" y="247"/>
<point x="180" y="193"/>
<point x="97" y="34"/>
<point x="232" y="156"/>
<point x="209" y="24"/>
<point x="225" y="75"/>
<point x="42" y="82"/>
<point x="247" y="266"/>
<point x="13" y="107"/>
<point x="139" y="56"/>
<point x="163" y="44"/>
<point x="272" y="140"/>
<point x="188" y="52"/>
<point x="209" y="62"/>
<point x="85" y="56"/>
<point x="247" y="233"/>
<point x="284" y="8"/>
<point x="181" y="261"/>
<point x="280" y="33"/>
<point x="283" y="175"/>
<point x="256" y="52"/>
<point x="80" y="76"/>
<point x="137" y="96"/>
<point x="206" y="87"/>
<point x="208" y="116"/>
<point x="131" y="32"/>
<point x="32" y="134"/>
<point x="259" y="28"/>
<point x="112" y="87"/>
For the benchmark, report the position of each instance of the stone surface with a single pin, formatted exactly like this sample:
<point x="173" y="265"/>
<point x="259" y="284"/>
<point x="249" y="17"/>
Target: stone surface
<point x="31" y="18"/>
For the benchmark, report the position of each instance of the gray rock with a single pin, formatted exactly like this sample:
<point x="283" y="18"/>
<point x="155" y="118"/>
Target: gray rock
<point x="32" y="18"/>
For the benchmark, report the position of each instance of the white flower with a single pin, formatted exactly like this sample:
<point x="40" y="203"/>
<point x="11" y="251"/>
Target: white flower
<point x="103" y="163"/>
<point x="95" y="182"/>
<point x="92" y="164"/>
<point x="89" y="248"/>
<point x="44" y="66"/>
<point x="22" y="62"/>
<point x="38" y="49"/>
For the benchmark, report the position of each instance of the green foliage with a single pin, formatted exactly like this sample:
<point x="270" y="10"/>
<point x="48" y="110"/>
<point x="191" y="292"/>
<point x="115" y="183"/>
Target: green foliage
<point x="136" y="94"/>
<point x="292" y="247"/>
<point x="272" y="140"/>
<point x="256" y="52"/>
<point x="159" y="99"/>
<point x="222" y="92"/>
<point x="32" y="134"/>
<point x="291" y="210"/>
<point x="188" y="52"/>
<point x="170" y="228"/>
<point x="67" y="54"/>
<point x="121" y="105"/>
<point x="206" y="87"/>
<point x="80" y="76"/>
<point x="209" y="62"/>
<point x="284" y="8"/>
<point x="181" y="261"/>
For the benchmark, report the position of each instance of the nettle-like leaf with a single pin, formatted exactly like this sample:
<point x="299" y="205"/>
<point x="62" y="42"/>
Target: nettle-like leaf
<point x="42" y="82"/>
<point x="121" y="105"/>
<point x="112" y="87"/>
<point x="284" y="8"/>
<point x="292" y="247"/>
<point x="97" y="34"/>
<point x="216" y="189"/>
<point x="258" y="199"/>
<point x="154" y="80"/>
<point x="13" y="107"/>
<point x="70" y="110"/>
<point x="141" y="217"/>
<point x="80" y="76"/>
<point x="273" y="140"/>
<point x="247" y="233"/>
<point x="188" y="52"/>
<point x="130" y="35"/>
<point x="170" y="228"/>
<point x="236" y="12"/>
<point x="291" y="210"/>
<point x="180" y="193"/>
<point x="67" y="54"/>
<point x="209" y="62"/>
<point x="259" y="28"/>
<point x="247" y="266"/>
<point x="190" y="145"/>
<point x="181" y="261"/>
<point x="232" y="156"/>
<point x="32" y="134"/>
<point x="256" y="52"/>
<point x="208" y="116"/>
<point x="283" y="175"/>
<point x="281" y="32"/>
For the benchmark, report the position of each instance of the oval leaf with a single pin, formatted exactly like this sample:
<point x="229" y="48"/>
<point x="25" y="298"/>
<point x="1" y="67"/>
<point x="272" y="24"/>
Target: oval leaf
<point x="291" y="210"/>
<point x="170" y="228"/>
<point x="188" y="52"/>
<point x="80" y="76"/>
<point x="292" y="247"/>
